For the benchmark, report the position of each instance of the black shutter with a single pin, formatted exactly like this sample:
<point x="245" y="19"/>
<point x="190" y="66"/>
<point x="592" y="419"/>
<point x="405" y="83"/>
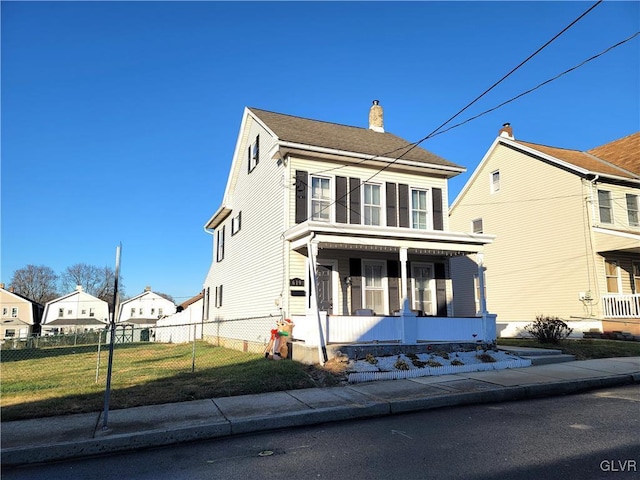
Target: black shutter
<point x="403" y="205"/>
<point x="257" y="150"/>
<point x="438" y="220"/>
<point x="341" y="199"/>
<point x="391" y="205"/>
<point x="301" y="196"/>
<point x="441" y="290"/>
<point x="249" y="159"/>
<point x="354" y="200"/>
<point x="393" y="272"/>
<point x="355" y="272"/>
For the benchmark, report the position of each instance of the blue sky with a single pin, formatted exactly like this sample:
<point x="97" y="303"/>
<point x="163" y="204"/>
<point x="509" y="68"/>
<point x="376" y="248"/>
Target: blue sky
<point x="119" y="119"/>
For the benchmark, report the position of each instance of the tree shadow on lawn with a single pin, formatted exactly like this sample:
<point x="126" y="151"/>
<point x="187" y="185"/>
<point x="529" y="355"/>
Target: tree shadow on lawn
<point x="254" y="376"/>
<point x="50" y="352"/>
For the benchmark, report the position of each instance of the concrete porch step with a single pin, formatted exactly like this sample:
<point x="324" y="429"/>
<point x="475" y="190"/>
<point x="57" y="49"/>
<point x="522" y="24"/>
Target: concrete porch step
<point x="548" y="359"/>
<point x="539" y="356"/>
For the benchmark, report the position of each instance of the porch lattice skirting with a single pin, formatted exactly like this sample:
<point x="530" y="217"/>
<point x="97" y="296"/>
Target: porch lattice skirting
<point x="360" y="377"/>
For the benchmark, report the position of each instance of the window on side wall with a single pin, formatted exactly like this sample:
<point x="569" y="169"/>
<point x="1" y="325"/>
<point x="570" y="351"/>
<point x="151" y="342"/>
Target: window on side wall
<point x="374" y="291"/>
<point x="254" y="154"/>
<point x="14" y="312"/>
<point x="632" y="210"/>
<point x="220" y="244"/>
<point x="5" y="311"/>
<point x="236" y="223"/>
<point x="611" y="272"/>
<point x="60" y="312"/>
<point x="477" y="226"/>
<point x="419" y="209"/>
<point x="372" y="204"/>
<point x="92" y="312"/>
<point x="604" y="206"/>
<point x="321" y="198"/>
<point x="9" y="333"/>
<point x="635" y="266"/>
<point x="495" y="181"/>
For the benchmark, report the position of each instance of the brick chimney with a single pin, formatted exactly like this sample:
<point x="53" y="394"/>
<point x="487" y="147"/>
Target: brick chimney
<point x="506" y="131"/>
<point x="147" y="288"/>
<point x="2" y="286"/>
<point x="375" y="117"/>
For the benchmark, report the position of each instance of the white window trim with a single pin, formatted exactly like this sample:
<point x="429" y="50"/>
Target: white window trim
<point x="633" y="276"/>
<point x="607" y="276"/>
<point x="429" y="212"/>
<point x="385" y="284"/>
<point x="610" y="207"/>
<point x="382" y="206"/>
<point x="473" y="229"/>
<point x="432" y="286"/>
<point x="492" y="185"/>
<point x="637" y="209"/>
<point x="330" y="202"/>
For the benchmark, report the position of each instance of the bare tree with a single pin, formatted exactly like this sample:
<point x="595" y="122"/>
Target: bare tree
<point x="36" y="282"/>
<point x="96" y="281"/>
<point x="166" y="296"/>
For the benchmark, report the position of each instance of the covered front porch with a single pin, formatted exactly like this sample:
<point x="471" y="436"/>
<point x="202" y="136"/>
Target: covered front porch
<point x="386" y="285"/>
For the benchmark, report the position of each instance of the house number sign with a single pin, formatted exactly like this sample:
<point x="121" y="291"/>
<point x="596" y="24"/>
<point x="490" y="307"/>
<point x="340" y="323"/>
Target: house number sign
<point x="296" y="282"/>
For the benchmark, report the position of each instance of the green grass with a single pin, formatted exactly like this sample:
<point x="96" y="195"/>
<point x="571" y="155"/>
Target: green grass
<point x="58" y="381"/>
<point x="583" y="349"/>
<point x="36" y="385"/>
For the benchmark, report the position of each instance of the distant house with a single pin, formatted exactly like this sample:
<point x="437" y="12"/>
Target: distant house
<point x="143" y="311"/>
<point x="183" y="326"/>
<point x="338" y="228"/>
<point x="75" y="312"/>
<point x="21" y="316"/>
<point x="567" y="228"/>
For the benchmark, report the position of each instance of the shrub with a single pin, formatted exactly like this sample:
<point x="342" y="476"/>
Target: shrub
<point x="401" y="364"/>
<point x="371" y="359"/>
<point x="548" y="329"/>
<point x="485" y="358"/>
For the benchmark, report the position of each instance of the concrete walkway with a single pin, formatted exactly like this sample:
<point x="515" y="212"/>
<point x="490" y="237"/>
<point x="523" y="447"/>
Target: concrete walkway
<point x="71" y="436"/>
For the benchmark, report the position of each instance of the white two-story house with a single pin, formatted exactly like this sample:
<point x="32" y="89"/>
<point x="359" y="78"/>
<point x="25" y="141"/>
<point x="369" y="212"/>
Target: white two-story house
<point x="77" y="311"/>
<point x="142" y="313"/>
<point x="567" y="227"/>
<point x="341" y="229"/>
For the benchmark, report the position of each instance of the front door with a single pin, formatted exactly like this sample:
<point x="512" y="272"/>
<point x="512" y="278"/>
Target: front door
<point x="422" y="279"/>
<point x="325" y="288"/>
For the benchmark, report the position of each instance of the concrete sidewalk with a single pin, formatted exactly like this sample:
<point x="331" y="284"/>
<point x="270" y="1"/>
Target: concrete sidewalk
<point x="58" y="438"/>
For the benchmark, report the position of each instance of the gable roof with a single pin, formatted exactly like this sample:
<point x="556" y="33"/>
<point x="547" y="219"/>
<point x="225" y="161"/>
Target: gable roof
<point x="316" y="133"/>
<point x="618" y="159"/>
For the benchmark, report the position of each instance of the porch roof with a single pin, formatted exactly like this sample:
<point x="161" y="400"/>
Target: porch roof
<point x="392" y="239"/>
<point x="616" y="241"/>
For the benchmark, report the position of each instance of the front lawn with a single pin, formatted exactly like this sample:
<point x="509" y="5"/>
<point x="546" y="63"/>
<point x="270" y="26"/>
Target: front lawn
<point x="583" y="349"/>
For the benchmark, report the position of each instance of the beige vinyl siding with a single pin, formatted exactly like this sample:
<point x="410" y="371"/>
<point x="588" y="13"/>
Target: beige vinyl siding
<point x="252" y="270"/>
<point x="620" y="218"/>
<point x="540" y="260"/>
<point x="332" y="170"/>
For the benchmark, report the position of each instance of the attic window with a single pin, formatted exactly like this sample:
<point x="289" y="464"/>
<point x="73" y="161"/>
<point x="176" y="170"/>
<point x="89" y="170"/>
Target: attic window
<point x="477" y="226"/>
<point x="254" y="154"/>
<point x="495" y="181"/>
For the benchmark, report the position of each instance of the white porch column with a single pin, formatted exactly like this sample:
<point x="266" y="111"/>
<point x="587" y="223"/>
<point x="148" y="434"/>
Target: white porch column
<point x="483" y="301"/>
<point x="403" y="276"/>
<point x="312" y="252"/>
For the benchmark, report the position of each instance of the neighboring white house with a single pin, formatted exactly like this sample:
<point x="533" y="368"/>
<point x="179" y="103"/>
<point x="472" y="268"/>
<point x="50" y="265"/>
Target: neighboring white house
<point x="567" y="228"/>
<point x="183" y="326"/>
<point x="75" y="312"/>
<point x="20" y="315"/>
<point x="145" y="309"/>
<point x="337" y="227"/>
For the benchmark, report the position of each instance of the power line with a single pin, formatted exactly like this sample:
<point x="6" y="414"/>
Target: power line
<point x="504" y="77"/>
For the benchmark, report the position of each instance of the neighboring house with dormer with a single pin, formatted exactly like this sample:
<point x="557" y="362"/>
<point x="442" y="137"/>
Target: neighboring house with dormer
<point x="336" y="227"/>
<point x="567" y="229"/>
<point x="21" y="316"/>
<point x="75" y="312"/>
<point x="143" y="311"/>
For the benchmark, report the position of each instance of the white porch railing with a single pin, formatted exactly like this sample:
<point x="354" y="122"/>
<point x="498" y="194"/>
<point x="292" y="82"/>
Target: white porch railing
<point x="360" y="329"/>
<point x="621" y="306"/>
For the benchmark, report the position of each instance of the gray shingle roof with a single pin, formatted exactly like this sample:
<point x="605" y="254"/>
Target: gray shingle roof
<point x="346" y="138"/>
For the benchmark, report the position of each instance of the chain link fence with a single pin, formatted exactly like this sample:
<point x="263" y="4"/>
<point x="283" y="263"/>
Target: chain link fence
<point x="152" y="363"/>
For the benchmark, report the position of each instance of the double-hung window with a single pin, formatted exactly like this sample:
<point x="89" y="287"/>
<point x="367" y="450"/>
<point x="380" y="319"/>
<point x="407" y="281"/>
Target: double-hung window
<point x="372" y="204"/>
<point x="374" y="286"/>
<point x="320" y="198"/>
<point x="253" y="154"/>
<point x="220" y="252"/>
<point x="419" y="209"/>
<point x="495" y="181"/>
<point x="613" y="278"/>
<point x="632" y="210"/>
<point x="14" y="312"/>
<point x="604" y="206"/>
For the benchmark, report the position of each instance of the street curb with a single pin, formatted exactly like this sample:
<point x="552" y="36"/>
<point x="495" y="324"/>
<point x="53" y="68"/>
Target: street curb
<point x="17" y="456"/>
